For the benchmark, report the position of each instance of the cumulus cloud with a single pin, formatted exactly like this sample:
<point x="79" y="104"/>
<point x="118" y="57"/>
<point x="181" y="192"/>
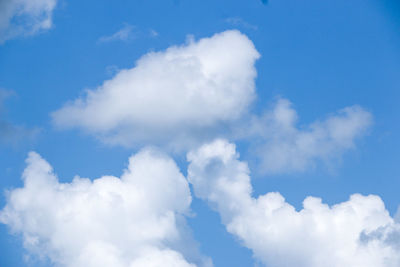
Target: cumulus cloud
<point x="194" y="93"/>
<point x="136" y="220"/>
<point x="24" y="17"/>
<point x="282" y="146"/>
<point x="358" y="233"/>
<point x="178" y="97"/>
<point x="190" y="94"/>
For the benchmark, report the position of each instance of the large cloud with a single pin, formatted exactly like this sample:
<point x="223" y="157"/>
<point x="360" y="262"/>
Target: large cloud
<point x="136" y="220"/>
<point x="284" y="147"/>
<point x="357" y="233"/>
<point x="191" y="94"/>
<point x="178" y="97"/>
<point x="24" y="17"/>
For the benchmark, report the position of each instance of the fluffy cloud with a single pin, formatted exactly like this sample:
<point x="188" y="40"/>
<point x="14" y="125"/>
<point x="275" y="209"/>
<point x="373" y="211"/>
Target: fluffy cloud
<point x="24" y="17"/>
<point x="191" y="94"/>
<point x="282" y="146"/>
<point x="135" y="220"/>
<point x="358" y="233"/>
<point x="178" y="97"/>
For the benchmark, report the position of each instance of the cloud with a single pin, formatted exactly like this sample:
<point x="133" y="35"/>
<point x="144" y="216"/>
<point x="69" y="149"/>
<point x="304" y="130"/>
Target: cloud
<point x="10" y="133"/>
<point x="283" y="147"/>
<point x="358" y="233"/>
<point x="135" y="220"/>
<point x="124" y="34"/>
<point x="179" y="97"/>
<point x="24" y="17"/>
<point x="239" y="22"/>
<point x="190" y="94"/>
<point x="154" y="33"/>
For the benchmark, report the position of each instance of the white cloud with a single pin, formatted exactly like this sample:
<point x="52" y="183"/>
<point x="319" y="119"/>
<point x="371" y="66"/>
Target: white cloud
<point x="239" y="22"/>
<point x="124" y="34"/>
<point x="357" y="233"/>
<point x="154" y="33"/>
<point x="24" y="17"/>
<point x="284" y="147"/>
<point x="136" y="220"/>
<point x="190" y="94"/>
<point x="178" y="97"/>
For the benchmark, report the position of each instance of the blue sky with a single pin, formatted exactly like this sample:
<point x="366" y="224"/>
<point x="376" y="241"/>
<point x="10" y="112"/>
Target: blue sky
<point x="322" y="56"/>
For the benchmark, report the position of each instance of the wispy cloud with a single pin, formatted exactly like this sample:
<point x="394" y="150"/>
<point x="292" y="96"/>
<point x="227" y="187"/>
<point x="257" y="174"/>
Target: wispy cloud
<point x="124" y="34"/>
<point x="153" y="33"/>
<point x="239" y="22"/>
<point x="112" y="70"/>
<point x="10" y="133"/>
<point x="24" y="17"/>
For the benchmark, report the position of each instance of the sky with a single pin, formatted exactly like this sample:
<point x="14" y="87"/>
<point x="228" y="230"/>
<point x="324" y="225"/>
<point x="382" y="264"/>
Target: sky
<point x="199" y="133"/>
